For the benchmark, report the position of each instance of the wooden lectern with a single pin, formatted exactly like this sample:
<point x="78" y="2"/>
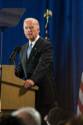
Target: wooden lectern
<point x="13" y="94"/>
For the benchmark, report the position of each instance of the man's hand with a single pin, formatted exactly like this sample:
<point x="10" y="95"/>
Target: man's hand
<point x="29" y="83"/>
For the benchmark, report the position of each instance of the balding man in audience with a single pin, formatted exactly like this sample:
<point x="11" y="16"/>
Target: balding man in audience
<point x="29" y="115"/>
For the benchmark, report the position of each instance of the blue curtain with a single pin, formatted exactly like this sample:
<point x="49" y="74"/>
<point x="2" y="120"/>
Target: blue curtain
<point x="65" y="32"/>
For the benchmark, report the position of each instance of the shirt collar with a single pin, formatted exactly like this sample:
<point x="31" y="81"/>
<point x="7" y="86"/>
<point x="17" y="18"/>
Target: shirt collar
<point x="33" y="43"/>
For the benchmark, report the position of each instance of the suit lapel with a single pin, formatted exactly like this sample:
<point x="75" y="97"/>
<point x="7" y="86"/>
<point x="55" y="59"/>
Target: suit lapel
<point x="24" y="59"/>
<point x="25" y="53"/>
<point x="35" y="48"/>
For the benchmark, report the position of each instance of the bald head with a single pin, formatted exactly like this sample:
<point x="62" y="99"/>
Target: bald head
<point x="31" y="28"/>
<point x="29" y="115"/>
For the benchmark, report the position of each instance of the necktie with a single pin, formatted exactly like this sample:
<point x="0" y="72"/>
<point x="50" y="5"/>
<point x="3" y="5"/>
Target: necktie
<point x="29" y="50"/>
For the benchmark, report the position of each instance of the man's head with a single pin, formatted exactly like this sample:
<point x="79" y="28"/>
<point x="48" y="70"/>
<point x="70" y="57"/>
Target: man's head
<point x="29" y="115"/>
<point x="10" y="120"/>
<point x="31" y="28"/>
<point x="76" y="120"/>
<point x="57" y="116"/>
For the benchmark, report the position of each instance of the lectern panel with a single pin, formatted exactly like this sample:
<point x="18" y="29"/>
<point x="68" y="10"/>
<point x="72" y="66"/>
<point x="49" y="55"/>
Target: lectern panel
<point x="13" y="98"/>
<point x="13" y="94"/>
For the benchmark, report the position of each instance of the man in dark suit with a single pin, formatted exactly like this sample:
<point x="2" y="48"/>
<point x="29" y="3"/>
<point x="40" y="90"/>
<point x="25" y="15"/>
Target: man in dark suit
<point x="37" y="66"/>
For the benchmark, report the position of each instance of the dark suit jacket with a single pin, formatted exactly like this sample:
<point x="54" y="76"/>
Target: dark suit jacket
<point x="39" y="68"/>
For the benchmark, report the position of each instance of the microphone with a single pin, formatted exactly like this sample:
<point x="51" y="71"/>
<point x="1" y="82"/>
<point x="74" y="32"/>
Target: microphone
<point x="13" y="54"/>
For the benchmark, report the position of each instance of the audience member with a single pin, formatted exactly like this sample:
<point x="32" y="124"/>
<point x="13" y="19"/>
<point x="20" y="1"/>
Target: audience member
<point x="10" y="120"/>
<point x="57" y="116"/>
<point x="77" y="120"/>
<point x="29" y="115"/>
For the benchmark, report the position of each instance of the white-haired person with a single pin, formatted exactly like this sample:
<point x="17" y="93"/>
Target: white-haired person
<point x="29" y="115"/>
<point x="36" y="66"/>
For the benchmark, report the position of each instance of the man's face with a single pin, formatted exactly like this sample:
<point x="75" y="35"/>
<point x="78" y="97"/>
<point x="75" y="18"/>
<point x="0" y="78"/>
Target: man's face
<point x="31" y="29"/>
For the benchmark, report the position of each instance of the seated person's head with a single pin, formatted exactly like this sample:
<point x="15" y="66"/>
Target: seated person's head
<point x="58" y="116"/>
<point x="77" y="120"/>
<point x="29" y="115"/>
<point x="10" y="120"/>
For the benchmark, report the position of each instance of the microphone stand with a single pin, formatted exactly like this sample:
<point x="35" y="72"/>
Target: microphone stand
<point x="12" y="57"/>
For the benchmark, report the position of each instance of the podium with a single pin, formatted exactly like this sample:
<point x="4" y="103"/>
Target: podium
<point x="13" y="93"/>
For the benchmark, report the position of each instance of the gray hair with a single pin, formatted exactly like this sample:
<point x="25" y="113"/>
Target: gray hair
<point x="34" y="20"/>
<point x="29" y="115"/>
